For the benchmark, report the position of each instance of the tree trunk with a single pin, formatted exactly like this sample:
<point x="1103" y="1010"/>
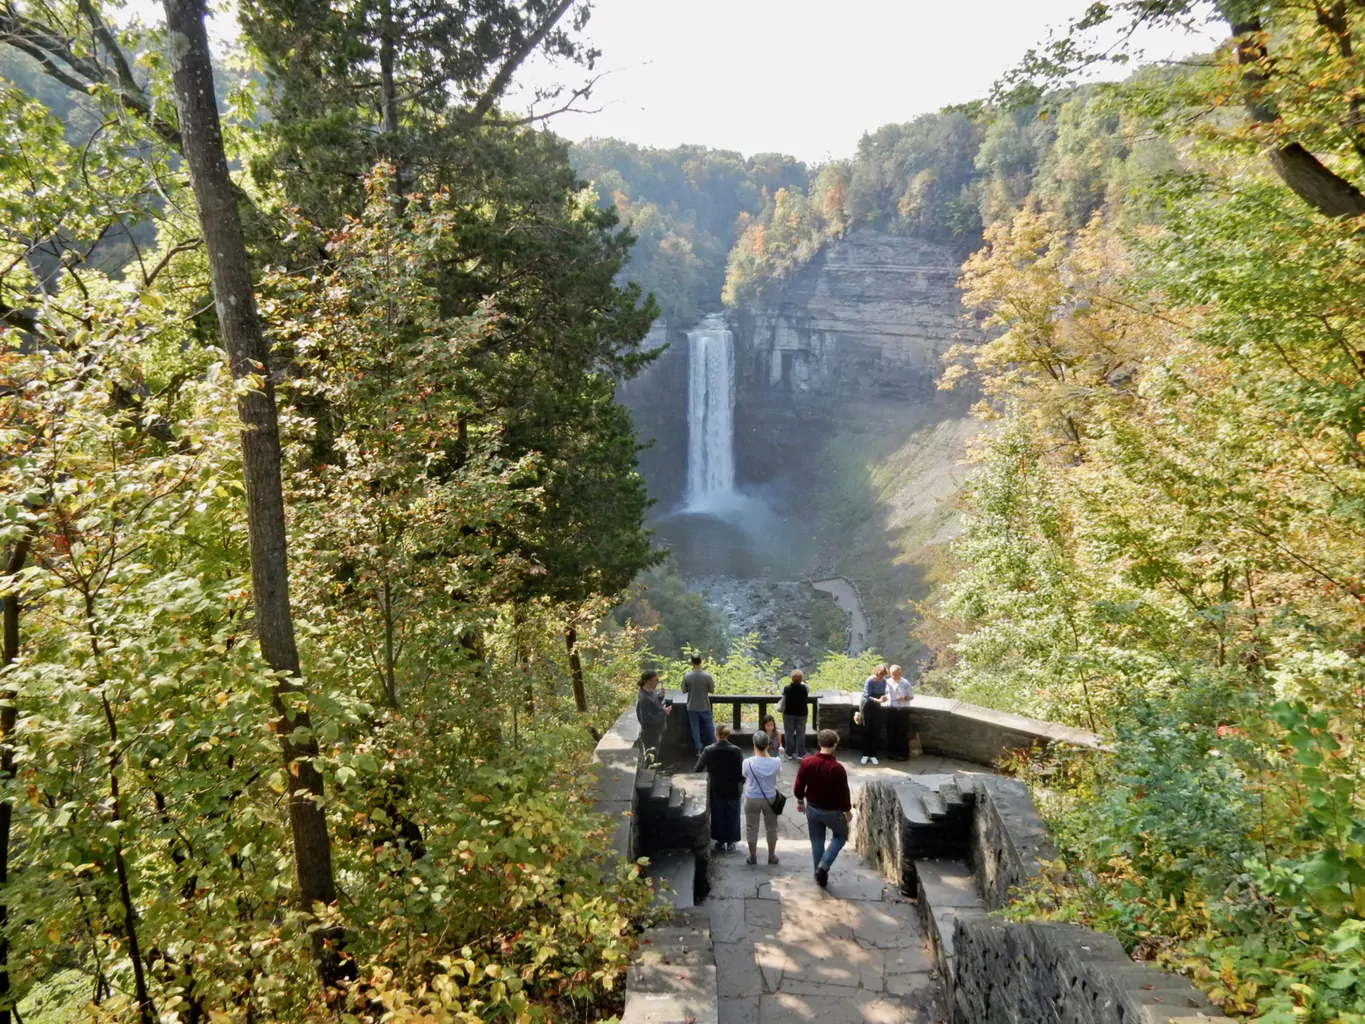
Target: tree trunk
<point x="1306" y="175"/>
<point x="580" y="692"/>
<point x="8" y="718"/>
<point x="388" y="107"/>
<point x="234" y="300"/>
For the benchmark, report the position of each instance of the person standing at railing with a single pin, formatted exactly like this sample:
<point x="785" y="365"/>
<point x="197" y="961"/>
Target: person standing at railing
<point x="899" y="693"/>
<point x="795" y="708"/>
<point x="652" y="713"/>
<point x="873" y="709"/>
<point x="699" y="686"/>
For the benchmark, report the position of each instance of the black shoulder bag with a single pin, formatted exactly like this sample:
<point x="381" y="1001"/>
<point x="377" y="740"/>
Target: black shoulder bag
<point x="777" y="801"/>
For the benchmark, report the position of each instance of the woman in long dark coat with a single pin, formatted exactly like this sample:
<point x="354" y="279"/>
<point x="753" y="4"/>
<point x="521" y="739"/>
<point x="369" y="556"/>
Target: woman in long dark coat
<point x="723" y="762"/>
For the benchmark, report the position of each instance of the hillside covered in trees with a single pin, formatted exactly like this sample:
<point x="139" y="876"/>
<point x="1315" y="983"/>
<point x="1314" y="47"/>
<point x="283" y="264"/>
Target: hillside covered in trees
<point x="301" y="585"/>
<point x="303" y="593"/>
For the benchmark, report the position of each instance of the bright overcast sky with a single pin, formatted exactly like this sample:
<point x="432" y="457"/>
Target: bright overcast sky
<point x="805" y="77"/>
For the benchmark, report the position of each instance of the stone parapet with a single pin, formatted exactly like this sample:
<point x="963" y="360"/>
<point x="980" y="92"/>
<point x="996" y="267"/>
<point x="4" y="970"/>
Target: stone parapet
<point x="960" y="844"/>
<point x="954" y="728"/>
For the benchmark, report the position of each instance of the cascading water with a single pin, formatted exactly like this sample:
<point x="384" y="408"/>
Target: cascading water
<point x="710" y="416"/>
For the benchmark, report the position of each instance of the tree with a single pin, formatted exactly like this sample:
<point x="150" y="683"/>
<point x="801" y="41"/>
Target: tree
<point x="235" y="302"/>
<point x="1292" y="67"/>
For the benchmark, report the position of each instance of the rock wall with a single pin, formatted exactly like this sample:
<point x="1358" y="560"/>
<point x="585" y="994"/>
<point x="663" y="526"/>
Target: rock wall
<point x="856" y="335"/>
<point x="1001" y="971"/>
<point x="657" y="400"/>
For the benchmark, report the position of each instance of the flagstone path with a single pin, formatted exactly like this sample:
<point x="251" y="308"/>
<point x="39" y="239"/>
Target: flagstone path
<point x="787" y="950"/>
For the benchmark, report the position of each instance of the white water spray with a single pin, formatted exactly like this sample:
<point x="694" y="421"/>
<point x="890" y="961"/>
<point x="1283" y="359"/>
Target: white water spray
<point x="710" y="416"/>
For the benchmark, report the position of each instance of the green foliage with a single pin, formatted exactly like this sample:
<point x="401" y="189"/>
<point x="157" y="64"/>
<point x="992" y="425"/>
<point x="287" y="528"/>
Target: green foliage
<point x="677" y="622"/>
<point x="1161" y="543"/>
<point x="686" y="206"/>
<point x="462" y="502"/>
<point x="947" y="176"/>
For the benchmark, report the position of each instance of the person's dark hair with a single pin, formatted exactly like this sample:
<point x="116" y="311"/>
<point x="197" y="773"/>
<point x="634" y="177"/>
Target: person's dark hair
<point x="760" y="741"/>
<point x="722" y="731"/>
<point x="646" y="676"/>
<point x="696" y="659"/>
<point x="828" y="739"/>
<point x="763" y="725"/>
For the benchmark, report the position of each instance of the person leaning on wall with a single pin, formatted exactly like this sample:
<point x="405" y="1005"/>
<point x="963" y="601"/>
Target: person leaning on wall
<point x="899" y="694"/>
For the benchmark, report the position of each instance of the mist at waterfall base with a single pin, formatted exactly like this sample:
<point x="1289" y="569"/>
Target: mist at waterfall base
<point x="722" y="528"/>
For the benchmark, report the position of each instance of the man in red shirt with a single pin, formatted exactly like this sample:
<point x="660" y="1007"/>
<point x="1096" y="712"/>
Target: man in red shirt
<point x="821" y="792"/>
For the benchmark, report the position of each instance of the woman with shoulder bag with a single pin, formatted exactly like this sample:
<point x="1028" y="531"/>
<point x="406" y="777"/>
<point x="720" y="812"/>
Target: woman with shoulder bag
<point x="761" y="798"/>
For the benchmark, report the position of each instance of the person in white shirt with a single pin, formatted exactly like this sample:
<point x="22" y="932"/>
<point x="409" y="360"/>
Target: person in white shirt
<point x="760" y="788"/>
<point x="899" y="693"/>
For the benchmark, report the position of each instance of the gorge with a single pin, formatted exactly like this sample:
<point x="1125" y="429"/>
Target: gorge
<point x="825" y="387"/>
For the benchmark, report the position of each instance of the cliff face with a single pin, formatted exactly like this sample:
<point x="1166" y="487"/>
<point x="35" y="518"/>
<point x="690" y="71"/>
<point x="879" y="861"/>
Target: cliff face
<point x="838" y="420"/>
<point x="856" y="336"/>
<point x="869" y="316"/>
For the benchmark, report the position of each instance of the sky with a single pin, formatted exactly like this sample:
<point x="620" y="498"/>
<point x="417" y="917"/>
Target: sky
<point x="805" y="77"/>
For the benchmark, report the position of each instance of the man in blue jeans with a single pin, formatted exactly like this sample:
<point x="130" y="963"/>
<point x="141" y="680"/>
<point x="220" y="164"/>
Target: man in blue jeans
<point x="699" y="686"/>
<point x="821" y="793"/>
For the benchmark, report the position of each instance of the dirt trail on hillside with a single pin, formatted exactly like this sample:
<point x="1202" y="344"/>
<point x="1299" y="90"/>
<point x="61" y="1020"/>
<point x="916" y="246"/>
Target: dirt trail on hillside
<point x="846" y="597"/>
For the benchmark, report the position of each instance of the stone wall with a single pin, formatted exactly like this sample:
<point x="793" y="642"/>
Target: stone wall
<point x="657" y="400"/>
<point x="1043" y="972"/>
<point x="954" y="728"/>
<point x="998" y="971"/>
<point x="615" y="763"/>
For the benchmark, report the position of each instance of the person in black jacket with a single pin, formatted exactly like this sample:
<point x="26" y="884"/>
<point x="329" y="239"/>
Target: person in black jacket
<point x="795" y="697"/>
<point x="723" y="762"/>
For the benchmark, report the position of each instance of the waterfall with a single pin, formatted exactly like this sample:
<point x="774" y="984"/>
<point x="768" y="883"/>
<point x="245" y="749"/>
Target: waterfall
<point x="710" y="415"/>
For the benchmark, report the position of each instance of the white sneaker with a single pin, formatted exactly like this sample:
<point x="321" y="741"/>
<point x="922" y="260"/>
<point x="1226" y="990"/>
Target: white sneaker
<point x="865" y="760"/>
<point x="875" y="761"/>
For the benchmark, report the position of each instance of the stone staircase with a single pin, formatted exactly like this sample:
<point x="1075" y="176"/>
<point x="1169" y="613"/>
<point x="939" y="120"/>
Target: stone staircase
<point x="673" y="978"/>
<point x="674" y="825"/>
<point x="959" y="845"/>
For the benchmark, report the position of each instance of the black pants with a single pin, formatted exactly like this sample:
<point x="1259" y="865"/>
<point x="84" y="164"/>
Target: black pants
<point x="872" y="724"/>
<point x="898" y="732"/>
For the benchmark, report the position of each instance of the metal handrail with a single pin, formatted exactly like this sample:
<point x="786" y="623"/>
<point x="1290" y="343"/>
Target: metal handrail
<point x="763" y="700"/>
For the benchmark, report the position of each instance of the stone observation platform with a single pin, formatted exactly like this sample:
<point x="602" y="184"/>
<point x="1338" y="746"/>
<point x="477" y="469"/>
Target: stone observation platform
<point x="902" y="934"/>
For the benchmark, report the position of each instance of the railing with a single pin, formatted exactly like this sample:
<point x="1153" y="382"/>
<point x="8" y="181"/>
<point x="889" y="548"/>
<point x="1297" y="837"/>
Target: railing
<point x="738" y="700"/>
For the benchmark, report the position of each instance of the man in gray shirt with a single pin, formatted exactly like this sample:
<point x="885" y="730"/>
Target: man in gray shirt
<point x="699" y="686"/>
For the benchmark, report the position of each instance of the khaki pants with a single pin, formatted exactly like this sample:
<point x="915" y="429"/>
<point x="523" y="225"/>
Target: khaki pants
<point x="754" y="806"/>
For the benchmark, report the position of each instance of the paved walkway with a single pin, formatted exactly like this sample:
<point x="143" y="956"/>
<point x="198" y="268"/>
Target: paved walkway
<point x="787" y="950"/>
<point x="846" y="597"/>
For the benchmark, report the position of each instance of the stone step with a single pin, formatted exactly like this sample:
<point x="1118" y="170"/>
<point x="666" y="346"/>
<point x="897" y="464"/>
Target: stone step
<point x="947" y="883"/>
<point x="668" y="1008"/>
<point x="952" y="795"/>
<point x="684" y="980"/>
<point x="945" y="891"/>
<point x="911" y="796"/>
<point x="675" y="877"/>
<point x="644" y="778"/>
<point x="935" y="804"/>
<point x="661" y="790"/>
<point x="676" y="798"/>
<point x="681" y="939"/>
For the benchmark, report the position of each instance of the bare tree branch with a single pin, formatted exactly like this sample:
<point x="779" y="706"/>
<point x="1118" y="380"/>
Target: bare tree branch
<point x="515" y="59"/>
